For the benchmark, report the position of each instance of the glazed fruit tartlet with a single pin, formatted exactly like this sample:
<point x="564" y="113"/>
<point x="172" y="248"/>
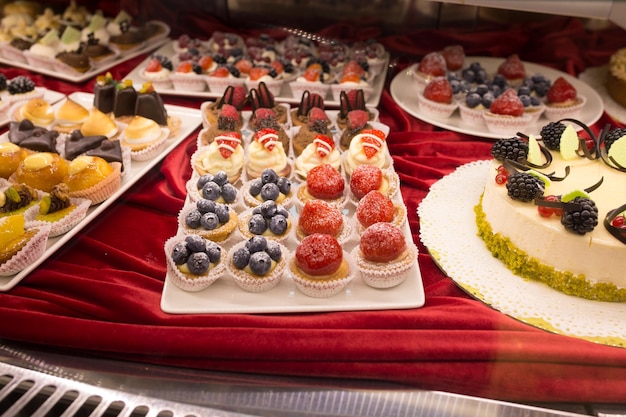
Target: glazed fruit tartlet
<point x="319" y="216"/>
<point x="258" y="264"/>
<point x="20" y="244"/>
<point x="93" y="178"/>
<point x="366" y="178"/>
<point x="211" y="220"/>
<point x="194" y="262"/>
<point x="563" y="101"/>
<point x="319" y="266"/>
<point x="269" y="186"/>
<point x="324" y="182"/>
<point x="506" y="114"/>
<point x="213" y="187"/>
<point x="268" y="220"/>
<point x="436" y="99"/>
<point x="376" y="207"/>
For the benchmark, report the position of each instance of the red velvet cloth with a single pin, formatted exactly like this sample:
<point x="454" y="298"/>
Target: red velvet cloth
<point x="100" y="293"/>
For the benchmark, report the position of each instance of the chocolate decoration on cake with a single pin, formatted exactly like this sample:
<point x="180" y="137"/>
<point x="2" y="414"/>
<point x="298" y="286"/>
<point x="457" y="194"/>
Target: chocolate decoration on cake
<point x="125" y="100"/>
<point x="150" y="105"/>
<point x="109" y="150"/>
<point x="104" y="93"/>
<point x="78" y="144"/>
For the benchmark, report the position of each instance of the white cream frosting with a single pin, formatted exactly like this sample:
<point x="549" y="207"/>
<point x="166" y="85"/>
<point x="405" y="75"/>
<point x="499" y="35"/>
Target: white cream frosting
<point x="211" y="160"/>
<point x="260" y="157"/>
<point x="310" y="158"/>
<point x="142" y="131"/>
<point x="356" y="156"/>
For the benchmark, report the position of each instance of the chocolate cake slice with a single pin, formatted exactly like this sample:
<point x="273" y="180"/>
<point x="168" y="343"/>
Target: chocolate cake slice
<point x="125" y="100"/>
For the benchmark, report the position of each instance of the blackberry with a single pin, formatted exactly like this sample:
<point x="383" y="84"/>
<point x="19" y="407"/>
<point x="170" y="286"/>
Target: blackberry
<point x="20" y="84"/>
<point x="165" y="61"/>
<point x="514" y="149"/>
<point x="612" y="136"/>
<point x="233" y="70"/>
<point x="523" y="186"/>
<point x="581" y="219"/>
<point x="196" y="68"/>
<point x="551" y="135"/>
<point x="3" y="82"/>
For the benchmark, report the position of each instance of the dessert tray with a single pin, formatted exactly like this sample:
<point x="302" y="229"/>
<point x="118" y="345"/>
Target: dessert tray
<point x="98" y="68"/>
<point x="404" y="89"/>
<point x="596" y="78"/>
<point x="50" y="96"/>
<point x="448" y="210"/>
<point x="285" y="96"/>
<point x="190" y="120"/>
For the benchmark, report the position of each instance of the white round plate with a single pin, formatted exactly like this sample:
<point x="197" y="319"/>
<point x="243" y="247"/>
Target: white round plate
<point x="448" y="230"/>
<point x="404" y="90"/>
<point x="596" y="78"/>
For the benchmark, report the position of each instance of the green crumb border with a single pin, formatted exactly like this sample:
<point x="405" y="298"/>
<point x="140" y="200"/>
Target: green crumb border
<point x="522" y="265"/>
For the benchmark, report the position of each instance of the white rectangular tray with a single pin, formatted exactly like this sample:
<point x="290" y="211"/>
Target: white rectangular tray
<point x="190" y="120"/>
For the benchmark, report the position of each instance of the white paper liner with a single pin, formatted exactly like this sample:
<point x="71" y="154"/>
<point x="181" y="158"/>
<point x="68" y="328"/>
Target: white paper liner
<point x="274" y="86"/>
<point x="152" y="150"/>
<point x="251" y="201"/>
<point x="221" y="234"/>
<point x="553" y="113"/>
<point x="11" y="53"/>
<point x="246" y="234"/>
<point x="393" y="188"/>
<point x="192" y="284"/>
<point x="299" y="87"/>
<point x="336" y="90"/>
<point x="190" y="82"/>
<point x="218" y="85"/>
<point x="321" y="288"/>
<point x="104" y="189"/>
<point x="345" y="234"/>
<point x="302" y="198"/>
<point x="39" y="61"/>
<point x="66" y="223"/>
<point x="38" y="92"/>
<point x="535" y="112"/>
<point x="159" y="83"/>
<point x="385" y="275"/>
<point x="435" y="110"/>
<point x="506" y="125"/>
<point x="33" y="249"/>
<point x="254" y="284"/>
<point x="472" y="116"/>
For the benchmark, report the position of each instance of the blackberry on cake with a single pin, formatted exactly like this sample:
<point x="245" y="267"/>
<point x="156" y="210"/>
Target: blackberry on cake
<point x="581" y="216"/>
<point x="523" y="186"/>
<point x="551" y="135"/>
<point x="514" y="149"/>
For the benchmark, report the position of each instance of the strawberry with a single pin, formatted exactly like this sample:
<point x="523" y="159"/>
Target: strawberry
<point x="318" y="120"/>
<point x="313" y="72"/>
<point x="266" y="96"/>
<point x="454" y="56"/>
<point x="374" y="207"/>
<point x="185" y="67"/>
<point x="512" y="68"/>
<point x="432" y="64"/>
<point x="257" y="72"/>
<point x="154" y="65"/>
<point x="350" y="78"/>
<point x="244" y="65"/>
<point x="365" y="178"/>
<point x="319" y="255"/>
<point x="221" y="72"/>
<point x="227" y="143"/>
<point x="265" y="118"/>
<point x="278" y="66"/>
<point x="266" y="137"/>
<point x="372" y="141"/>
<point x="206" y="62"/>
<point x="357" y="119"/>
<point x="235" y="96"/>
<point x="439" y="90"/>
<point x="507" y="103"/>
<point x="356" y="99"/>
<point x="382" y="242"/>
<point x="353" y="67"/>
<point x="324" y="145"/>
<point x="319" y="216"/>
<point x="561" y="91"/>
<point x="228" y="117"/>
<point x="325" y="182"/>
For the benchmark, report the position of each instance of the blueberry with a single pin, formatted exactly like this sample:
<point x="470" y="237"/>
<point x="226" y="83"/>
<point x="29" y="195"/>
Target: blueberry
<point x="472" y="100"/>
<point x="211" y="191"/>
<point x="541" y="89"/>
<point x="456" y="86"/>
<point x="223" y="212"/>
<point x="205" y="206"/>
<point x="270" y="191"/>
<point x="468" y="75"/>
<point x="487" y="99"/>
<point x="195" y="243"/>
<point x="260" y="263"/>
<point x="525" y="99"/>
<point x="204" y="179"/>
<point x="210" y="221"/>
<point x="535" y="101"/>
<point x="192" y="219"/>
<point x="257" y="224"/>
<point x="482" y="89"/>
<point x="220" y="178"/>
<point x="282" y="211"/>
<point x="255" y="187"/>
<point x="180" y="253"/>
<point x="284" y="185"/>
<point x="481" y="76"/>
<point x="198" y="263"/>
<point x="214" y="252"/>
<point x="278" y="224"/>
<point x="268" y="208"/>
<point x="229" y="193"/>
<point x="523" y="91"/>
<point x="499" y="80"/>
<point x="256" y="244"/>
<point x="257" y="210"/>
<point x="273" y="250"/>
<point x="269" y="176"/>
<point x="241" y="257"/>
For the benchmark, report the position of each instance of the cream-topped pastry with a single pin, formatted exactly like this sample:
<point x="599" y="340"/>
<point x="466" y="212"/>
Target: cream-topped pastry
<point x="98" y="26"/>
<point x="70" y="115"/>
<point x="99" y="123"/>
<point x="367" y="148"/>
<point x="37" y="111"/>
<point x="266" y="151"/>
<point x="141" y="133"/>
<point x="321" y="151"/>
<point x="225" y="153"/>
<point x="47" y="46"/>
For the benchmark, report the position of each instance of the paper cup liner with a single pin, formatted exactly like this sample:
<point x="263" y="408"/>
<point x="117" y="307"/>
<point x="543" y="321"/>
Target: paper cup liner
<point x="11" y="53"/>
<point x="38" y="92"/>
<point x="302" y="196"/>
<point x="251" y="201"/>
<point x="274" y="86"/>
<point x="102" y="190"/>
<point x="388" y="274"/>
<point x="159" y="82"/>
<point x="64" y="224"/>
<point x="399" y="218"/>
<point x="506" y="125"/>
<point x="194" y="194"/>
<point x="555" y="113"/>
<point x="344" y="235"/>
<point x="32" y="250"/>
<point x="220" y="234"/>
<point x="320" y="288"/>
<point x="151" y="151"/>
<point x="187" y="282"/>
<point x="254" y="284"/>
<point x="393" y="188"/>
<point x="246" y="234"/>
<point x="535" y="112"/>
<point x="299" y="87"/>
<point x="218" y="85"/>
<point x="191" y="82"/>
<point x="435" y="110"/>
<point x="472" y="116"/>
<point x="39" y="61"/>
<point x="336" y="90"/>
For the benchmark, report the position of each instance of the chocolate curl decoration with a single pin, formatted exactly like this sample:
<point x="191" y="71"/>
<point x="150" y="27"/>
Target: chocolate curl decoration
<point x="514" y="166"/>
<point x="346" y="107"/>
<point x="618" y="233"/>
<point x="544" y="151"/>
<point x="305" y="104"/>
<point x="612" y="163"/>
<point x="267" y="99"/>
<point x="582" y="145"/>
<point x="541" y="201"/>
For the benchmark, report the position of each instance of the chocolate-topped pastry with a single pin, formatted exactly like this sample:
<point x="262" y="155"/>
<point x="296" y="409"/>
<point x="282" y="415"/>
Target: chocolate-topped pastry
<point x="104" y="93"/>
<point x="75" y="59"/>
<point x="125" y="99"/>
<point x="32" y="137"/>
<point x="150" y="105"/>
<point x="109" y="150"/>
<point x="18" y="131"/>
<point x="78" y="144"/>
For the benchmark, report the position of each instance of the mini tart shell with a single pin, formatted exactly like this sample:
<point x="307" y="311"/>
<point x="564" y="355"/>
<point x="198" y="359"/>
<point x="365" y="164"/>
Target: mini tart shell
<point x="79" y="207"/>
<point x="189" y="282"/>
<point x="558" y="111"/>
<point x="104" y="189"/>
<point x="219" y="234"/>
<point x="390" y="189"/>
<point x="29" y="253"/>
<point x="385" y="274"/>
<point x="194" y="193"/>
<point x="246" y="234"/>
<point x="147" y="151"/>
<point x="251" y="201"/>
<point x="399" y="218"/>
<point x="253" y="283"/>
<point x="303" y="195"/>
<point x="322" y="287"/>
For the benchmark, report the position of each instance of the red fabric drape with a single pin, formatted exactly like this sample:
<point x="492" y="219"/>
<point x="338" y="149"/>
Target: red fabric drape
<point x="100" y="293"/>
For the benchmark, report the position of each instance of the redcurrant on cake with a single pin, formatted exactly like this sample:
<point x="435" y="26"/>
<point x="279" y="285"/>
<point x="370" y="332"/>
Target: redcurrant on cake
<point x="553" y="210"/>
<point x="436" y="100"/>
<point x="257" y="264"/>
<point x="563" y="101"/>
<point x="319" y="266"/>
<point x="383" y="257"/>
<point x="324" y="182"/>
